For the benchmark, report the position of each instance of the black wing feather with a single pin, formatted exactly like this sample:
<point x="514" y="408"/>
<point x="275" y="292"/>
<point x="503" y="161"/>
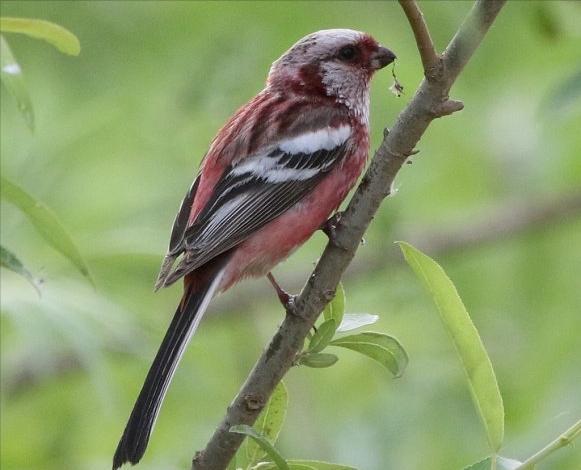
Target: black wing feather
<point x="181" y="221"/>
<point x="219" y="228"/>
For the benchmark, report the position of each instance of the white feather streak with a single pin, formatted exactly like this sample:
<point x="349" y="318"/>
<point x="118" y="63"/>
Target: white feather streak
<point x="322" y="139"/>
<point x="269" y="168"/>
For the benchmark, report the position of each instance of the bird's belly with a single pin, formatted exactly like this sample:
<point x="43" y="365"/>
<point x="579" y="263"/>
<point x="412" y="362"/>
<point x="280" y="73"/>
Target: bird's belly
<point x="270" y="245"/>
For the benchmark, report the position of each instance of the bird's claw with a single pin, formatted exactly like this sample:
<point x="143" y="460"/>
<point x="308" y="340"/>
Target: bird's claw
<point x="329" y="227"/>
<point x="290" y="305"/>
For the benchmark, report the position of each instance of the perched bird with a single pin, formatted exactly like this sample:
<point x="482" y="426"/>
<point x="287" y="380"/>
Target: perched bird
<point x="272" y="176"/>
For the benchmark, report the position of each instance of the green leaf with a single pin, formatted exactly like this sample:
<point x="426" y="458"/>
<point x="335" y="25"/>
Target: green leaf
<point x="500" y="464"/>
<point x="46" y="223"/>
<point x="304" y="465"/>
<point x="323" y="336"/>
<point x="268" y="424"/>
<point x="317" y="360"/>
<point x="59" y="37"/>
<point x="380" y="347"/>
<point x="11" y="75"/>
<point x="481" y="379"/>
<point x="336" y="308"/>
<point x="9" y="261"/>
<point x="263" y="442"/>
<point x="352" y="321"/>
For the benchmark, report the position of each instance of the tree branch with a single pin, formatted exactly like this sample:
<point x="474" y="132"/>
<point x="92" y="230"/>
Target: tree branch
<point x="397" y="145"/>
<point x="510" y="219"/>
<point x="507" y="221"/>
<point x="428" y="54"/>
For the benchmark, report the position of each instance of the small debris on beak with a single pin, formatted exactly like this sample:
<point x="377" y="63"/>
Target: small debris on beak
<point x="396" y="88"/>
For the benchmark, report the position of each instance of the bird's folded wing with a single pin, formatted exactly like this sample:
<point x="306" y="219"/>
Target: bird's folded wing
<point x="256" y="190"/>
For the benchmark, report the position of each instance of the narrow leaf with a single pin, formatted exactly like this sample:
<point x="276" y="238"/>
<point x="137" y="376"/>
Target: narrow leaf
<point x="481" y="379"/>
<point x="336" y="308"/>
<point x="382" y="348"/>
<point x="59" y="37"/>
<point x="263" y="443"/>
<point x="352" y="321"/>
<point x="9" y="261"/>
<point x="46" y="223"/>
<point x="500" y="464"/>
<point x="268" y="423"/>
<point x="318" y="360"/>
<point x="323" y="336"/>
<point x="11" y="75"/>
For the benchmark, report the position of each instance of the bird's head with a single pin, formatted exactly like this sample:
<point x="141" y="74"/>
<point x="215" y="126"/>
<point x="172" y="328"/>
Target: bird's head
<point x="336" y="63"/>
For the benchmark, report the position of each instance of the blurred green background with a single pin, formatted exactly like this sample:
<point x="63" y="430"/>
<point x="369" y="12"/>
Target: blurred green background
<point x="120" y="132"/>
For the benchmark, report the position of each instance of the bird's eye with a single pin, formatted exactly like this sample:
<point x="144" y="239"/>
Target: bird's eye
<point x="347" y="53"/>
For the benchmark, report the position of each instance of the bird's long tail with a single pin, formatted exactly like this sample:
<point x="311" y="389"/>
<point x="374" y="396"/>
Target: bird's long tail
<point x="134" y="441"/>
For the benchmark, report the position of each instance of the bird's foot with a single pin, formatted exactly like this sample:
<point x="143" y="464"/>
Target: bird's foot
<point x="287" y="300"/>
<point x="329" y="227"/>
<point x="290" y="305"/>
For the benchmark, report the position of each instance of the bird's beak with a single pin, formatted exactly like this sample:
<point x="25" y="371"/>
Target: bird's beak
<point x="381" y="57"/>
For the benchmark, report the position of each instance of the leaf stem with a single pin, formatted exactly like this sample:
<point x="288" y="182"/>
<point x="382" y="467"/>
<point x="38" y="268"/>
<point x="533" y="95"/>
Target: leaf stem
<point x="563" y="440"/>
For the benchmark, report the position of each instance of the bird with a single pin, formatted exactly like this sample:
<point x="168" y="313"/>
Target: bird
<point x="272" y="176"/>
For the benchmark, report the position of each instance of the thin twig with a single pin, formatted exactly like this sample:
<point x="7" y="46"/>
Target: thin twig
<point x="428" y="53"/>
<point x="409" y="127"/>
<point x="563" y="440"/>
<point x="509" y="220"/>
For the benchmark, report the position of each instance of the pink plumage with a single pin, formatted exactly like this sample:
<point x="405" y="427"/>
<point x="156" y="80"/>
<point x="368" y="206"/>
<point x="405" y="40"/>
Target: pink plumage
<point x="274" y="173"/>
